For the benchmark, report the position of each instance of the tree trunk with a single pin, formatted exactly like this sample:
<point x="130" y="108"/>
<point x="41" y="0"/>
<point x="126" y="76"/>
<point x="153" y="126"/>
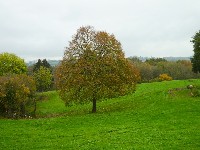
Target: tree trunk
<point x="35" y="107"/>
<point x="94" y="107"/>
<point x="22" y="110"/>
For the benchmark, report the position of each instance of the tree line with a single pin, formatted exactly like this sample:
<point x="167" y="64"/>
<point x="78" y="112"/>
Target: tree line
<point x="153" y="67"/>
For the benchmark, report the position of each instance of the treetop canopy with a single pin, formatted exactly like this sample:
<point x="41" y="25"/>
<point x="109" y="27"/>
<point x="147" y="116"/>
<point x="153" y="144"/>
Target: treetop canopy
<point x="94" y="67"/>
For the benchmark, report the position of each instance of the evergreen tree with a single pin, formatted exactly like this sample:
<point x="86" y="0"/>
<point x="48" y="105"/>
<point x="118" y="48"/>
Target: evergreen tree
<point x="46" y="64"/>
<point x="196" y="58"/>
<point x="41" y="63"/>
<point x="37" y="65"/>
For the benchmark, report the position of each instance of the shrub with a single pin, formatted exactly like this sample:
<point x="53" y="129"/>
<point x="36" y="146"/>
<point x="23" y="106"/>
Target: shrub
<point x="164" y="77"/>
<point x="16" y="95"/>
<point x="195" y="91"/>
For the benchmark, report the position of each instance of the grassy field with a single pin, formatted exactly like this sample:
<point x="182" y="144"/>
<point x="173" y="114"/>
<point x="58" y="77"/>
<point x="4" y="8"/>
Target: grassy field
<point x="160" y="115"/>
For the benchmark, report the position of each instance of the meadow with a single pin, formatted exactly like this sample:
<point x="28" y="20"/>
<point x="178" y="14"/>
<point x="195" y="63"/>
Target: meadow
<point x="159" y="115"/>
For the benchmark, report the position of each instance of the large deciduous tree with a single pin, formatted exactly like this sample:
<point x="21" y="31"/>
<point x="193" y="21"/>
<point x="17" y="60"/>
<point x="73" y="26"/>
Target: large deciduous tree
<point x="11" y="64"/>
<point x="93" y="68"/>
<point x="196" y="58"/>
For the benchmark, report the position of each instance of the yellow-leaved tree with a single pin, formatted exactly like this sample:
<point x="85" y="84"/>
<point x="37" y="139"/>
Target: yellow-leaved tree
<point x="93" y="68"/>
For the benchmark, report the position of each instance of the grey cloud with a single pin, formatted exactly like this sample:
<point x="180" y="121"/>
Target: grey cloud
<point x="42" y="28"/>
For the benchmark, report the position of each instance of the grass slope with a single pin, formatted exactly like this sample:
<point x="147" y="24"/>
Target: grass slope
<point x="160" y="115"/>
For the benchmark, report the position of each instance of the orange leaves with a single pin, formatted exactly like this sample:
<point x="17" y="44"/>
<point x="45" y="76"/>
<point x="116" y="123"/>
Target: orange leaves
<point x="94" y="67"/>
<point x="165" y="77"/>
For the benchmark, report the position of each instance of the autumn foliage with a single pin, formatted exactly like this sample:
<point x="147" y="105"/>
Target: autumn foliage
<point x="16" y="94"/>
<point x="164" y="77"/>
<point x="93" y="68"/>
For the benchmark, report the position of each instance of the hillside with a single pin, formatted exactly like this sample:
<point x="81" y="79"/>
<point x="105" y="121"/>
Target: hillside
<point x="160" y="115"/>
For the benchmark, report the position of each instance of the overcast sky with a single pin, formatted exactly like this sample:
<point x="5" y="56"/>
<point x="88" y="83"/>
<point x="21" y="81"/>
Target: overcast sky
<point x="35" y="29"/>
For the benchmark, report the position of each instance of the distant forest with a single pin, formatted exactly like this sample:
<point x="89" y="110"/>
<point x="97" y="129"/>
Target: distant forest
<point x="53" y="63"/>
<point x="56" y="62"/>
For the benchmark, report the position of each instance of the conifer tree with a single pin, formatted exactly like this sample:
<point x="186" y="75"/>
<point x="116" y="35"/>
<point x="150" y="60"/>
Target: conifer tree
<point x="196" y="58"/>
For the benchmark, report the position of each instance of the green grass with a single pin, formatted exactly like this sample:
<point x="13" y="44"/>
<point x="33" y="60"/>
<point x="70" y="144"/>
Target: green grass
<point x="160" y="115"/>
<point x="49" y="105"/>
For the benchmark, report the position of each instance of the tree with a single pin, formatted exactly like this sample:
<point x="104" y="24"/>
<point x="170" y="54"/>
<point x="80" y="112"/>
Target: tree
<point x="148" y="72"/>
<point x="11" y="64"/>
<point x="46" y="64"/>
<point x="43" y="79"/>
<point x="93" y="68"/>
<point x="196" y="58"/>
<point x="40" y="63"/>
<point x="155" y="61"/>
<point x="37" y="65"/>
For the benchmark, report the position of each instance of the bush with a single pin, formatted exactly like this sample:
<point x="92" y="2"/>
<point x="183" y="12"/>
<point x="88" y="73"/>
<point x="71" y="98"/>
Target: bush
<point x="16" y="96"/>
<point x="164" y="77"/>
<point x="195" y="91"/>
